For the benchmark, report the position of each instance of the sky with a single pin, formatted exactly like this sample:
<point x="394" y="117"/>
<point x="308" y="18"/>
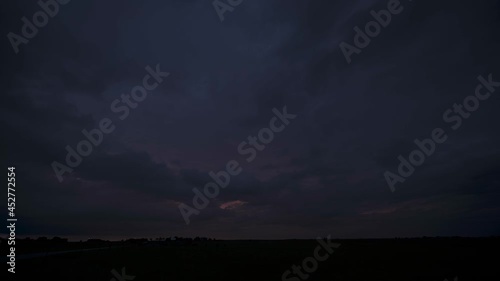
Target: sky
<point x="323" y="174"/>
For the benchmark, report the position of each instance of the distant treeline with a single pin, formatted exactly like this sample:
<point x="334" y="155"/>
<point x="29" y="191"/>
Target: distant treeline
<point x="59" y="240"/>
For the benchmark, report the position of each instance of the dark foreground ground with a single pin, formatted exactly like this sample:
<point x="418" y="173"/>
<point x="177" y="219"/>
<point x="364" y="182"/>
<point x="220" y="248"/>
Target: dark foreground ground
<point x="432" y="259"/>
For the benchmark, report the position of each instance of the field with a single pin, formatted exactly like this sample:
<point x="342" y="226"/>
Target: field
<point x="430" y="259"/>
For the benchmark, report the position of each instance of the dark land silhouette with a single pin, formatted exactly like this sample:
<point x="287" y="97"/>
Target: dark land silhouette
<point x="209" y="259"/>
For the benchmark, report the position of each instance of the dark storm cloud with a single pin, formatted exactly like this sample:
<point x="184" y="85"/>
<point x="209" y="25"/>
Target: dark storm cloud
<point x="322" y="174"/>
